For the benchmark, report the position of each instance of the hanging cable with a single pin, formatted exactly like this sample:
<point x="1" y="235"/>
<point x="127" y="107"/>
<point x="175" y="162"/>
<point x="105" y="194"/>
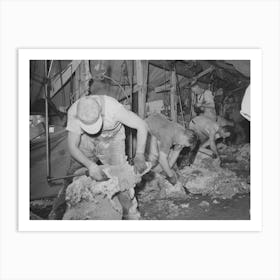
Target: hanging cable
<point x="102" y="75"/>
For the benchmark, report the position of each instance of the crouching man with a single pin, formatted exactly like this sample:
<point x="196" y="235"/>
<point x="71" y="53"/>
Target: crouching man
<point x="95" y="128"/>
<point x="208" y="131"/>
<point x="166" y="140"/>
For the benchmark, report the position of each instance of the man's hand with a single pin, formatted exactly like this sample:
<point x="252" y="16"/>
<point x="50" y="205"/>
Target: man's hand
<point x="139" y="163"/>
<point x="96" y="172"/>
<point x="172" y="179"/>
<point x="218" y="161"/>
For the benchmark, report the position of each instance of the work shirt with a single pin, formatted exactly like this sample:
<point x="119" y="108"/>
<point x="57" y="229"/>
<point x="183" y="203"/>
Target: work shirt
<point x="204" y="127"/>
<point x="206" y="99"/>
<point x="166" y="131"/>
<point x="110" y="108"/>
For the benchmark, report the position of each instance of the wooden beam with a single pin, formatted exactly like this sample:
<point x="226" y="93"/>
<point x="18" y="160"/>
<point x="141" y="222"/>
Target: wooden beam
<point x="59" y="81"/>
<point x="162" y="88"/>
<point x="173" y="97"/>
<point x="228" y="69"/>
<point x="142" y="79"/>
<point x="204" y="72"/>
<point x="168" y="66"/>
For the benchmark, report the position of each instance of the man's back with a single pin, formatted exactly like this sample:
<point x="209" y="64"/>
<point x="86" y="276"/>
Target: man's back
<point x="164" y="130"/>
<point x="204" y="127"/>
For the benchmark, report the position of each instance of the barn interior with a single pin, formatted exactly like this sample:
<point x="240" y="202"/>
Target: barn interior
<point x="206" y="189"/>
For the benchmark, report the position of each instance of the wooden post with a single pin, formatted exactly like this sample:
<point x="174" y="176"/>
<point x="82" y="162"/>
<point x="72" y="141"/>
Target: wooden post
<point x="61" y="80"/>
<point x="131" y="141"/>
<point x="85" y="76"/>
<point x="142" y="78"/>
<point x="173" y="97"/>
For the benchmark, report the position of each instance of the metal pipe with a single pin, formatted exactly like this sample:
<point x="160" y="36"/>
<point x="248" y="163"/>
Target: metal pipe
<point x="47" y="121"/>
<point x="130" y="141"/>
<point x="86" y="173"/>
<point x="47" y="74"/>
<point x="68" y="177"/>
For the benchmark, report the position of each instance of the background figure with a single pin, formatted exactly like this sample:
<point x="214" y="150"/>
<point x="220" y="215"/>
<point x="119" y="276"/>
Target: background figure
<point x="204" y="102"/>
<point x="208" y="131"/>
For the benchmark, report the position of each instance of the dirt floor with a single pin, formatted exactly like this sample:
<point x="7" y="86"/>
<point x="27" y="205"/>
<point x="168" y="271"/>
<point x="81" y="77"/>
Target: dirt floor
<point x="191" y="208"/>
<point x="197" y="207"/>
<point x="205" y="191"/>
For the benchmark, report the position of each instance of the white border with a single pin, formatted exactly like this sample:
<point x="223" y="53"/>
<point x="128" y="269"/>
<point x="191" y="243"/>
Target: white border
<point x="24" y="55"/>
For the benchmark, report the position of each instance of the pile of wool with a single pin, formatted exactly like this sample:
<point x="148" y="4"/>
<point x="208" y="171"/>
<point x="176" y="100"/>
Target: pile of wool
<point x="167" y="190"/>
<point x="127" y="178"/>
<point x="243" y="155"/>
<point x="86" y="189"/>
<point x="99" y="209"/>
<point x="90" y="199"/>
<point x="158" y="187"/>
<point x="237" y="158"/>
<point x="216" y="182"/>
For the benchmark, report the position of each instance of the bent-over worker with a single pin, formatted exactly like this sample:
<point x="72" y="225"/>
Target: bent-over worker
<point x="95" y="128"/>
<point x="208" y="131"/>
<point x="167" y="139"/>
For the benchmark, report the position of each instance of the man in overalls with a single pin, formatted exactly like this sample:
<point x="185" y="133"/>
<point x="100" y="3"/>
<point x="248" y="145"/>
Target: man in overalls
<point x="95" y="128"/>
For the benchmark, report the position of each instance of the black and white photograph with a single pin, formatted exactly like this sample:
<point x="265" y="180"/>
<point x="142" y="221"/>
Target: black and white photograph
<point x="139" y="139"/>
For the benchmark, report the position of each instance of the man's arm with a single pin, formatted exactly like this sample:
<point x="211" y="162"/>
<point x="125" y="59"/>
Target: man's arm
<point x="174" y="156"/>
<point x="163" y="160"/>
<point x="73" y="145"/>
<point x="131" y="120"/>
<point x="213" y="145"/>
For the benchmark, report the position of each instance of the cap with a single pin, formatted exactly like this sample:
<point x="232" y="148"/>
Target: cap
<point x="89" y="115"/>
